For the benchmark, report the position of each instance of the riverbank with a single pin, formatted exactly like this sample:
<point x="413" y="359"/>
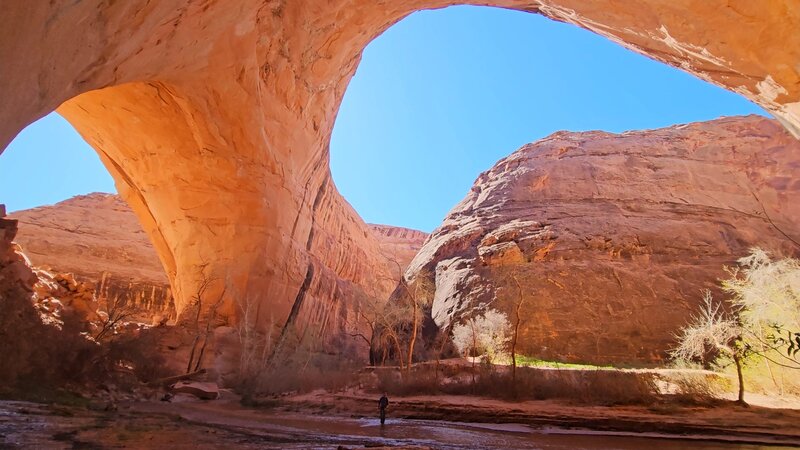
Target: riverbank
<point x="347" y="420"/>
<point x="728" y="421"/>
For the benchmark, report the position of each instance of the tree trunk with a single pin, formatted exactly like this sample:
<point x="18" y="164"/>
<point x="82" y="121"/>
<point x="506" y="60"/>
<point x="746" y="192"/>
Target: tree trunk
<point x="520" y="301"/>
<point x="737" y="359"/>
<point x="399" y="351"/>
<point x="413" y="340"/>
<point x="514" y="348"/>
<point x="473" y="351"/>
<point x="445" y="337"/>
<point x="372" y="347"/>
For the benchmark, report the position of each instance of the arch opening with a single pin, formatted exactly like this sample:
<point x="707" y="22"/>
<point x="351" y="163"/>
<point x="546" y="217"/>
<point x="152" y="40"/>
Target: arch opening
<point x="221" y="144"/>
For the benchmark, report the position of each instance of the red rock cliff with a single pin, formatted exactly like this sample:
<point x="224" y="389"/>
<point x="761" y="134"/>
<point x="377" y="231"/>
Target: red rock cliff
<point x="214" y="118"/>
<point x="613" y="237"/>
<point x="98" y="238"/>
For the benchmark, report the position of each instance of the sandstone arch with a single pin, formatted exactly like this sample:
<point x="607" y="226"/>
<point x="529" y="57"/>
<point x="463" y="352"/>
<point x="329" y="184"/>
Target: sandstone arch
<point x="214" y="117"/>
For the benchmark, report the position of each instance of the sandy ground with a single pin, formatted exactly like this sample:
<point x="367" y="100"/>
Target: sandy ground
<point x="727" y="422"/>
<point x="347" y="420"/>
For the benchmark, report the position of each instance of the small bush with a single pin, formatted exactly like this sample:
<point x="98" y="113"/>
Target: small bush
<point x="696" y="388"/>
<point x="39" y="360"/>
<point x="417" y="383"/>
<point x="594" y="387"/>
<point x="300" y="374"/>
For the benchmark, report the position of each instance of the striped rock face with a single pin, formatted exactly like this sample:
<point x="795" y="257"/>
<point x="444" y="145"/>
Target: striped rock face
<point x="214" y="118"/>
<point x="607" y="241"/>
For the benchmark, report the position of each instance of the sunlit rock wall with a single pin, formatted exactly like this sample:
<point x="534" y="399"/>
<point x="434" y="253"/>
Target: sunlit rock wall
<point x="609" y="240"/>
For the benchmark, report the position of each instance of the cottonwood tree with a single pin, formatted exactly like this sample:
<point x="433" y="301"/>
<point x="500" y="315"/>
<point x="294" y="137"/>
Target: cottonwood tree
<point x="767" y="296"/>
<point x="515" y="296"/>
<point x="419" y="293"/>
<point x="200" y="301"/>
<point x="382" y="319"/>
<point x="392" y="316"/>
<point x="256" y="346"/>
<point x="713" y="332"/>
<point x="764" y="304"/>
<point x="485" y="335"/>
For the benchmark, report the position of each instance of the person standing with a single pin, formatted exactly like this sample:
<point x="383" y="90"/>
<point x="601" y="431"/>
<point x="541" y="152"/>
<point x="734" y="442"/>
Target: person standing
<point x="382" y="404"/>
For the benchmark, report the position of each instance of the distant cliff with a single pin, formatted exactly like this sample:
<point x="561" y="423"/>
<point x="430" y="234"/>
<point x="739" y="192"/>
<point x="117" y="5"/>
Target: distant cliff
<point x="610" y="239"/>
<point x="99" y="239"/>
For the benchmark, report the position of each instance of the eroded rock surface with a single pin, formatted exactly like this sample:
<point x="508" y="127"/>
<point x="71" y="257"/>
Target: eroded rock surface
<point x="17" y="278"/>
<point x="610" y="239"/>
<point x="399" y="244"/>
<point x="97" y="238"/>
<point x="214" y="119"/>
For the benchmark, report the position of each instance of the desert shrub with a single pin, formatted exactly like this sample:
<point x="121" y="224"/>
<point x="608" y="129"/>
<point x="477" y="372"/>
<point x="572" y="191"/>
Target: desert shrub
<point x="696" y="388"/>
<point x="419" y="383"/>
<point x="485" y="335"/>
<point x="34" y="353"/>
<point x="292" y="362"/>
<point x="594" y="387"/>
<point x="38" y="359"/>
<point x="135" y="355"/>
<point x="305" y="373"/>
<point x="608" y="387"/>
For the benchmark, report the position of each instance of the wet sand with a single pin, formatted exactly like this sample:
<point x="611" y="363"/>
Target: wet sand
<point x="225" y="424"/>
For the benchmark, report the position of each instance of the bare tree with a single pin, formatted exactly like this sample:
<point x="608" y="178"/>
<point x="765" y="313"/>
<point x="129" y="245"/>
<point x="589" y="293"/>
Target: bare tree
<point x="444" y="338"/>
<point x="391" y="316"/>
<point x="715" y="330"/>
<point x="255" y="347"/>
<point x="369" y="312"/>
<point x="420" y="293"/>
<point x="117" y="310"/>
<point x="199" y="299"/>
<point x="517" y="301"/>
<point x="484" y="335"/>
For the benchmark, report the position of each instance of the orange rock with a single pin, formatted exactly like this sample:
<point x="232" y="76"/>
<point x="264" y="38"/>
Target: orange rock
<point x="214" y="119"/>
<point x="98" y="238"/>
<point x="611" y="255"/>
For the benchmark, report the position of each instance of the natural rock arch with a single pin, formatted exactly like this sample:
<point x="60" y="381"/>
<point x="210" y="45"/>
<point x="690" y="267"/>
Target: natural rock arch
<point x="214" y="117"/>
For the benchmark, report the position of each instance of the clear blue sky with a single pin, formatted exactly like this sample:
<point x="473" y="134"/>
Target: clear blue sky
<point x="437" y="99"/>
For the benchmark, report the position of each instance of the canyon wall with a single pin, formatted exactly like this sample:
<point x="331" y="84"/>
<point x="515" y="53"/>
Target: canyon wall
<point x="398" y="244"/>
<point x="97" y="238"/>
<point x="214" y="117"/>
<point x="608" y="240"/>
<point x="17" y="279"/>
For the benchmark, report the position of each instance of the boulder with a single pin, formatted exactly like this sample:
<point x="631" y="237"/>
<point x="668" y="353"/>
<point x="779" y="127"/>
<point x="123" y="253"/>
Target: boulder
<point x="201" y="390"/>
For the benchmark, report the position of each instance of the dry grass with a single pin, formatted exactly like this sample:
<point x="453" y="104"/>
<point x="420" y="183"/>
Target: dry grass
<point x="591" y="387"/>
<point x="696" y="388"/>
<point x="41" y="360"/>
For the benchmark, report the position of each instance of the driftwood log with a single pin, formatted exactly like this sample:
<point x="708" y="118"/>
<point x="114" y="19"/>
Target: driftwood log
<point x="165" y="382"/>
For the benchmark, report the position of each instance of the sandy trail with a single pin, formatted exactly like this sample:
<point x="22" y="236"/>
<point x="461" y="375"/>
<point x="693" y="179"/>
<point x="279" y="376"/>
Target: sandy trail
<point x="309" y="421"/>
<point x="303" y="430"/>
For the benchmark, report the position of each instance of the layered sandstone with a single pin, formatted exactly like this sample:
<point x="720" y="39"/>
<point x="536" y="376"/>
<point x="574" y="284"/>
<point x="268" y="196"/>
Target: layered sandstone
<point x="608" y="240"/>
<point x="214" y="118"/>
<point x="399" y="244"/>
<point x="17" y="279"/>
<point x="32" y="297"/>
<point x="97" y="238"/>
